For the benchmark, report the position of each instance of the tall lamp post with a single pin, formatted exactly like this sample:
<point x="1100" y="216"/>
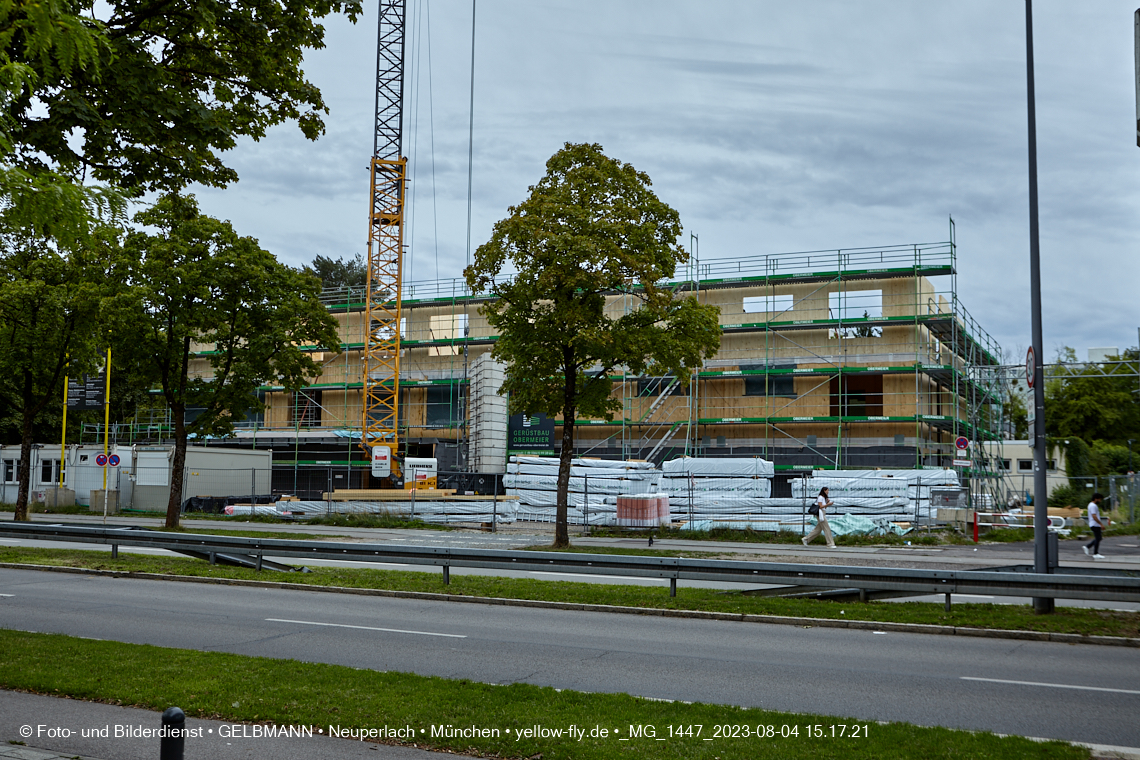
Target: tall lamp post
<point x="1041" y="605"/>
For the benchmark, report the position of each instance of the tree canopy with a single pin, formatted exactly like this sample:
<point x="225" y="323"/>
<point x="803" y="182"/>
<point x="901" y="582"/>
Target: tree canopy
<point x="340" y="273"/>
<point x="51" y="307"/>
<point x="591" y="229"/>
<point x="153" y="92"/>
<point x="218" y="318"/>
<point x="1086" y="404"/>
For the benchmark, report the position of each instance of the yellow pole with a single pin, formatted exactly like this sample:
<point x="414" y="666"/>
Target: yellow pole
<point x="63" y="433"/>
<point x="106" y="419"/>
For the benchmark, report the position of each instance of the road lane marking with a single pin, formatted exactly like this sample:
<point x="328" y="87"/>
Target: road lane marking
<point x="367" y="628"/>
<point x="6" y="594"/>
<point x="1051" y="685"/>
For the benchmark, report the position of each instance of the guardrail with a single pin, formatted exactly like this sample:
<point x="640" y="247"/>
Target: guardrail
<point x="252" y="551"/>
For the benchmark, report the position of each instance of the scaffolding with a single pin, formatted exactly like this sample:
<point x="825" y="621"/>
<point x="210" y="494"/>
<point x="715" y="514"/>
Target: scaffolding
<point x="844" y="358"/>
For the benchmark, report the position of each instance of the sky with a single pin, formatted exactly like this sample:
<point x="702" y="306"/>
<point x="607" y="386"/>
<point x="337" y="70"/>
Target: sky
<point x="770" y="126"/>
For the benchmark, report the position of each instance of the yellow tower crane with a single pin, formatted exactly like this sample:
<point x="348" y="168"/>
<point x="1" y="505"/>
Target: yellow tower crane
<point x="381" y="365"/>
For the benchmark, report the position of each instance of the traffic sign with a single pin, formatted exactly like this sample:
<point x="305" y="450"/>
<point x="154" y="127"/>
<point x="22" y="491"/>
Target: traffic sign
<point x="1030" y="367"/>
<point x="961" y="443"/>
<point x="101" y="460"/>
<point x="114" y="460"/>
<point x="961" y="462"/>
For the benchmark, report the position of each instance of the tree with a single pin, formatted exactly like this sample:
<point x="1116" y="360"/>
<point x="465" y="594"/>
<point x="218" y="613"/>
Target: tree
<point x="1084" y="403"/>
<point x="338" y="273"/>
<point x="154" y="92"/>
<point x="50" y="308"/>
<point x="203" y="289"/>
<point x="590" y="228"/>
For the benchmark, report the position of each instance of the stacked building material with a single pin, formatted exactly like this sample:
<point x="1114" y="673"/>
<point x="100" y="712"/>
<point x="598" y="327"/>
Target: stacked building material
<point x="718" y="485"/>
<point x="857" y="486"/>
<point x="594" y="487"/>
<point x="443" y="512"/>
<point x="860" y="496"/>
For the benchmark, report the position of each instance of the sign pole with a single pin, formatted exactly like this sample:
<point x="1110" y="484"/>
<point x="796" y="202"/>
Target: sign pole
<point x="1041" y="605"/>
<point x="63" y="434"/>
<point x="106" y="425"/>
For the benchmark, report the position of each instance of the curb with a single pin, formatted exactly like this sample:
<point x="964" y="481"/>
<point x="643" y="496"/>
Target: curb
<point x="865" y="625"/>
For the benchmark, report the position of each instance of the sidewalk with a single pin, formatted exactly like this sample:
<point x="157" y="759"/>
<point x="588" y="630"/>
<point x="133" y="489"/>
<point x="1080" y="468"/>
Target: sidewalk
<point x="40" y="716"/>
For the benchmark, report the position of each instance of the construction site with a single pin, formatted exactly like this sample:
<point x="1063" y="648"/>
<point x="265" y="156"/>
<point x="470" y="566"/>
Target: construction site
<point x="843" y="359"/>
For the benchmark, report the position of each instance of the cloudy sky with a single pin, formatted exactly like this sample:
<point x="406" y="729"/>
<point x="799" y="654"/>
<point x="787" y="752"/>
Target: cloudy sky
<point x="770" y="126"/>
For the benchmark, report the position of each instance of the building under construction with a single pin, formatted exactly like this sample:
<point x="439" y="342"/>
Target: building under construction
<point x="852" y="358"/>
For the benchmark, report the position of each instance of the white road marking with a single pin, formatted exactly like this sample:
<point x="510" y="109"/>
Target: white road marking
<point x="6" y="595"/>
<point x="1051" y="685"/>
<point x="367" y="628"/>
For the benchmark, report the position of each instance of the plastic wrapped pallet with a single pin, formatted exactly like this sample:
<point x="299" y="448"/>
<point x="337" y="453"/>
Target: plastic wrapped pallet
<point x="576" y="471"/>
<point x="854" y="487"/>
<point x="912" y="477"/>
<point x="639" y="511"/>
<point x="574" y="516"/>
<point x="579" y="485"/>
<point x="428" y="511"/>
<point x="730" y="467"/>
<point x="599" y="464"/>
<point x="758" y="487"/>
<point x="550" y="498"/>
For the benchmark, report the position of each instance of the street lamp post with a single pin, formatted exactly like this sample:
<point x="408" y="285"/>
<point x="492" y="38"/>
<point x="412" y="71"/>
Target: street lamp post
<point x="1041" y="605"/>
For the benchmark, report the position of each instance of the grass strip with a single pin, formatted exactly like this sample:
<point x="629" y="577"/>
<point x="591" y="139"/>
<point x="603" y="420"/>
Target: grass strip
<point x="1078" y="620"/>
<point x="239" y="688"/>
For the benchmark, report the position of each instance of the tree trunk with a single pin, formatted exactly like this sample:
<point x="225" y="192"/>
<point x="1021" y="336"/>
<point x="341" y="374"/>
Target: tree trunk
<point x="24" y="471"/>
<point x="561" y="521"/>
<point x="177" y="467"/>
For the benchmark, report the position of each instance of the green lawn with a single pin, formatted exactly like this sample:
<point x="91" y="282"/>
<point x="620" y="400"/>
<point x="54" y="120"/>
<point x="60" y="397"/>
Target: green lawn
<point x="236" y="688"/>
<point x="1013" y="617"/>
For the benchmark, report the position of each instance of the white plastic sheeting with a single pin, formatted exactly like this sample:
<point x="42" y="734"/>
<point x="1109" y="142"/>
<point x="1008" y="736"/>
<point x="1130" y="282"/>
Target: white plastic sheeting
<point x="595" y="485"/>
<point x="724" y="467"/>
<point x="855" y="487"/>
<point x="912" y="477"/>
<point x="610" y="486"/>
<point x="600" y="464"/>
<point x="441" y="512"/>
<point x="682" y="487"/>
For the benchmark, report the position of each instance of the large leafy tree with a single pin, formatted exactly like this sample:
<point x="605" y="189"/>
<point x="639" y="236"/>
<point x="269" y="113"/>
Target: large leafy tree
<point x="590" y="229"/>
<point x="1086" y="403"/>
<point x="219" y="317"/>
<point x="163" y="87"/>
<point x="51" y="306"/>
<point x="340" y="273"/>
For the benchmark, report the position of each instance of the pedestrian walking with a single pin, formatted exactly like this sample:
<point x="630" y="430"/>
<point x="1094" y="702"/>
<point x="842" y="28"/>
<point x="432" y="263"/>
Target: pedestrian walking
<point x="1097" y="522"/>
<point x="819" y="509"/>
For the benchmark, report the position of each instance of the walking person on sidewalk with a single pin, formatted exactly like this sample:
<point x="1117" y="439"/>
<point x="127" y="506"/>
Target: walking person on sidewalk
<point x="822" y="502"/>
<point x="1097" y="523"/>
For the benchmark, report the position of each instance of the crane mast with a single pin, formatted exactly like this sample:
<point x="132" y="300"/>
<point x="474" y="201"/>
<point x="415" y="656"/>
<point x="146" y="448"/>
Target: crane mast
<point x="381" y="361"/>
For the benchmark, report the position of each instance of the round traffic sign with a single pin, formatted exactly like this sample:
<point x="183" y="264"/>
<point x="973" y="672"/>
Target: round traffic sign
<point x="961" y="443"/>
<point x="1030" y="367"/>
<point x="114" y="460"/>
<point x="101" y="460"/>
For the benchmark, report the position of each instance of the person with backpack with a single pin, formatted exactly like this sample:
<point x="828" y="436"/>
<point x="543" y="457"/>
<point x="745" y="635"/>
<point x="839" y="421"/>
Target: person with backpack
<point x="819" y="511"/>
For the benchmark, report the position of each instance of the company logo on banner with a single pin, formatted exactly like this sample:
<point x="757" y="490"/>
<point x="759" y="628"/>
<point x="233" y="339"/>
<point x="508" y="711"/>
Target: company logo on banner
<point x="531" y="434"/>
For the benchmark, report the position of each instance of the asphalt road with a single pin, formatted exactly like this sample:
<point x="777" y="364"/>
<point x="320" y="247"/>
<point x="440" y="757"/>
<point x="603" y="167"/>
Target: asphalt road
<point x="1014" y="687"/>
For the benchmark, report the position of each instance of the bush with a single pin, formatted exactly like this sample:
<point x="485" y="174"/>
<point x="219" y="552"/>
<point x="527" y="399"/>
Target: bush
<point x="1067" y="496"/>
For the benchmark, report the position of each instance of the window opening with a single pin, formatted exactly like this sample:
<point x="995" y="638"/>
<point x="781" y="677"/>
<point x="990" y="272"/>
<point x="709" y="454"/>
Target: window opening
<point x="446" y="327"/>
<point x="768" y="384"/>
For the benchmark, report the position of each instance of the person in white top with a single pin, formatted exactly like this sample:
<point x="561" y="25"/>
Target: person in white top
<point x="1097" y="523"/>
<point x="822" y="502"/>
